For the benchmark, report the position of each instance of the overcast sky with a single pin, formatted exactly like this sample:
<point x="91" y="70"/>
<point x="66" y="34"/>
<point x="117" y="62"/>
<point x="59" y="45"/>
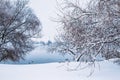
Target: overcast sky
<point x="46" y="11"/>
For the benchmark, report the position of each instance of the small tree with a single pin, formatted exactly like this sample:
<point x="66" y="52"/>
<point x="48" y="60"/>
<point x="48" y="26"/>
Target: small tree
<point x="18" y="24"/>
<point x="90" y="32"/>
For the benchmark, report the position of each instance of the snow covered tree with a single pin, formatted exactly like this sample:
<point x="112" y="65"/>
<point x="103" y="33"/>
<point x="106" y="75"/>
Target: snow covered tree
<point x="89" y="32"/>
<point x="18" y="24"/>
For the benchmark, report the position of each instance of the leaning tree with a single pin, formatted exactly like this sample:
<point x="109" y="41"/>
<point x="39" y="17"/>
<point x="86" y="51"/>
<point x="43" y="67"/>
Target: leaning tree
<point x="89" y="32"/>
<point x="18" y="24"/>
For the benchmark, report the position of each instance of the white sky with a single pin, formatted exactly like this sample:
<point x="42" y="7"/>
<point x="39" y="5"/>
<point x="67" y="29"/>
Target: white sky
<point x="46" y="11"/>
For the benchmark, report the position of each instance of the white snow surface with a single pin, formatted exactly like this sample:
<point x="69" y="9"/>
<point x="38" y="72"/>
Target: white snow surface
<point x="60" y="71"/>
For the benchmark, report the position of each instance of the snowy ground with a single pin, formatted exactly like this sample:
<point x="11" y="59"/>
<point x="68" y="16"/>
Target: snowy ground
<point x="32" y="69"/>
<point x="59" y="71"/>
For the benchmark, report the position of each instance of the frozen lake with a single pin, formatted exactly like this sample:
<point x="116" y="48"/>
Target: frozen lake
<point x="41" y="55"/>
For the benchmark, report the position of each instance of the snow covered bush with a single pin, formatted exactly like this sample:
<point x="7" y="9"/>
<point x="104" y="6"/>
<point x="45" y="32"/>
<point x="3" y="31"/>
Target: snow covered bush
<point x="18" y="24"/>
<point x="91" y="32"/>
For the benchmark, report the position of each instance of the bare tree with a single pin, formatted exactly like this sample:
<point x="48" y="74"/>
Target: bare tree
<point x="18" y="24"/>
<point x="89" y="32"/>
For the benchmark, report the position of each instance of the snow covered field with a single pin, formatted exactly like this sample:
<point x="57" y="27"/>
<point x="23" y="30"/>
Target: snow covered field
<point x="59" y="71"/>
<point x="55" y="68"/>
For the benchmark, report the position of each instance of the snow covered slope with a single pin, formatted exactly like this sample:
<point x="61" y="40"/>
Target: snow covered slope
<point x="59" y="71"/>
